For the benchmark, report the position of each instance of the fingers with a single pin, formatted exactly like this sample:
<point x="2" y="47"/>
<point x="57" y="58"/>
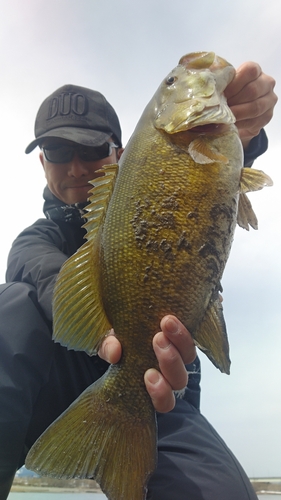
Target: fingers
<point x="253" y="106"/>
<point x="261" y="107"/>
<point x="252" y="99"/>
<point x="110" y="349"/>
<point x="245" y="74"/>
<point x="180" y="337"/>
<point x="174" y="348"/>
<point x="170" y="361"/>
<point x="251" y="118"/>
<point x="158" y="388"/>
<point x="253" y="88"/>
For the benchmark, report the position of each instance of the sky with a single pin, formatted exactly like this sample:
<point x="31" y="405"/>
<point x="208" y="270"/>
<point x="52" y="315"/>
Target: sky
<point x="124" y="49"/>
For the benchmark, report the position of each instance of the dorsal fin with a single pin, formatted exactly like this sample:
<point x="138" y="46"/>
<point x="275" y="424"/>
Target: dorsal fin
<point x="100" y="196"/>
<point x="80" y="322"/>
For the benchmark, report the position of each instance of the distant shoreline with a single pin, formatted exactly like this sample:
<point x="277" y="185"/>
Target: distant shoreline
<point x="53" y="485"/>
<point x="268" y="486"/>
<point x="261" y="486"/>
<point x="20" y="488"/>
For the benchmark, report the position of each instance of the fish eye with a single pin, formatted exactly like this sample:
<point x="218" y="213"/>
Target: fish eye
<point x="170" y="80"/>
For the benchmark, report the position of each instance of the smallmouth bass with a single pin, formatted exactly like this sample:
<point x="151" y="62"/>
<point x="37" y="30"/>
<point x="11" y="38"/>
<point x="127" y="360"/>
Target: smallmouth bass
<point x="159" y="231"/>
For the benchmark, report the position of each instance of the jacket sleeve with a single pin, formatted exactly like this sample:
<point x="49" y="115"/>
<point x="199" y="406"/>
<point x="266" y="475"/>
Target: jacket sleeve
<point x="257" y="147"/>
<point x="36" y="257"/>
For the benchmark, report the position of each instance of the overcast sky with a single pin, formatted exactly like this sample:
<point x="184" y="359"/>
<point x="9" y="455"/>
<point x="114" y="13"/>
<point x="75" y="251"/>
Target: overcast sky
<point x="124" y="49"/>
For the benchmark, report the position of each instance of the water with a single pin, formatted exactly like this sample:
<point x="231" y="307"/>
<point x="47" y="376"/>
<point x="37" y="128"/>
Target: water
<point x="270" y="497"/>
<point x="56" y="496"/>
<point x="85" y="496"/>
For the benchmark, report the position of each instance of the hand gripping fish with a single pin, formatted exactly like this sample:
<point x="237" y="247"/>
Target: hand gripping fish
<point x="159" y="231"/>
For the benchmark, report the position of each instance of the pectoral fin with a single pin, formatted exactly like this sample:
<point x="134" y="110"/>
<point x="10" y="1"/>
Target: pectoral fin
<point x="253" y="180"/>
<point x="211" y="337"/>
<point x="201" y="152"/>
<point x="80" y="322"/>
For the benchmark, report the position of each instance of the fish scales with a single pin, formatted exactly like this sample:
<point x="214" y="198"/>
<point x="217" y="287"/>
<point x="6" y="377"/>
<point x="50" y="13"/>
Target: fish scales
<point x="170" y="219"/>
<point x="159" y="232"/>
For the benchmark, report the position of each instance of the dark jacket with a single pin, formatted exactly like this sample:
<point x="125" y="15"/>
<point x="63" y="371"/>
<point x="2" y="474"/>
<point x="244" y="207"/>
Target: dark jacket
<point x="40" y="250"/>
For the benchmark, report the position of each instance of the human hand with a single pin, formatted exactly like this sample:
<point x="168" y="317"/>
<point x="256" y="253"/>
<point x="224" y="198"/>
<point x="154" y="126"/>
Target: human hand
<point x="251" y="98"/>
<point x="173" y="347"/>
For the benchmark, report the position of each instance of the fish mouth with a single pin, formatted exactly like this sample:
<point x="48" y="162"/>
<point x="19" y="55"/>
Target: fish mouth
<point x="209" y="128"/>
<point x="211" y="119"/>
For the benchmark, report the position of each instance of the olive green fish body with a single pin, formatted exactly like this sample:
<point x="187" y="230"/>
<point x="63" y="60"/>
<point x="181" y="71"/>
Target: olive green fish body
<point x="177" y="225"/>
<point x="159" y="232"/>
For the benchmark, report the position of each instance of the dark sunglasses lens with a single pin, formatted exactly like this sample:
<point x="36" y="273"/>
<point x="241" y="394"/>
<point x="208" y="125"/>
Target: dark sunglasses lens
<point x="93" y="154"/>
<point x="60" y="154"/>
<point x="64" y="154"/>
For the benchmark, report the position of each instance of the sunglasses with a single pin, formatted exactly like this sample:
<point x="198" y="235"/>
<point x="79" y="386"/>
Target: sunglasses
<point x="64" y="153"/>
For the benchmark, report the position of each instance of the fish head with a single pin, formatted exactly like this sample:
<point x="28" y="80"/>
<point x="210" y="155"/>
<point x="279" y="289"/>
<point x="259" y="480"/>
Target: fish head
<point x="192" y="94"/>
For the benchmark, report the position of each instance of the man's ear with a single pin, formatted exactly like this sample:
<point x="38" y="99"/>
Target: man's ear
<point x="119" y="153"/>
<point x="42" y="160"/>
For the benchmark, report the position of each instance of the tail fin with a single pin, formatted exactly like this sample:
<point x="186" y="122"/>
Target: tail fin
<point x="93" y="439"/>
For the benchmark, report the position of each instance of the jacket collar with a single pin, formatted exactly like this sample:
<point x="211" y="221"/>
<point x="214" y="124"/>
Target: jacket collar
<point x="55" y="209"/>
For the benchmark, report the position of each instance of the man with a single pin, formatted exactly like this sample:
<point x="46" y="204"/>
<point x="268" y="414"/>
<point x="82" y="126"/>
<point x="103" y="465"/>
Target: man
<point x="78" y="132"/>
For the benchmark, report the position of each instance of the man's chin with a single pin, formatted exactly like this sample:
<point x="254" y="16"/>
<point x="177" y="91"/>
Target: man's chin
<point x="77" y="195"/>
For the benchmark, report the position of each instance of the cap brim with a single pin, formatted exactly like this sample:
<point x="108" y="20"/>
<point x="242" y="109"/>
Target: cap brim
<point x="83" y="136"/>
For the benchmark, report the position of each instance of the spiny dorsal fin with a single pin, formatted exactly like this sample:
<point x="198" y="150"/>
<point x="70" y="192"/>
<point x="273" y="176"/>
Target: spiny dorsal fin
<point x="99" y="199"/>
<point x="202" y="153"/>
<point x="80" y="322"/>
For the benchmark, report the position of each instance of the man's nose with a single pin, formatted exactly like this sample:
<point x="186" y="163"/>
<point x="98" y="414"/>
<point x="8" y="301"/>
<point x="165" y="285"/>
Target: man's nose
<point x="77" y="168"/>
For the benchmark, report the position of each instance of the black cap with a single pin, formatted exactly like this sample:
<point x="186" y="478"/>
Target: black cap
<point x="78" y="114"/>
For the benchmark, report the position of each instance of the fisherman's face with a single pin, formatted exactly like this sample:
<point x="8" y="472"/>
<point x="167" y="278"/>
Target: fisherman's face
<point x="69" y="181"/>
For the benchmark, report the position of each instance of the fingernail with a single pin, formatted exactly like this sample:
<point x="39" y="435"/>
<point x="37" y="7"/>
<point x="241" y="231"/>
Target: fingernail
<point x="163" y="342"/>
<point x="153" y="376"/>
<point x="171" y="325"/>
